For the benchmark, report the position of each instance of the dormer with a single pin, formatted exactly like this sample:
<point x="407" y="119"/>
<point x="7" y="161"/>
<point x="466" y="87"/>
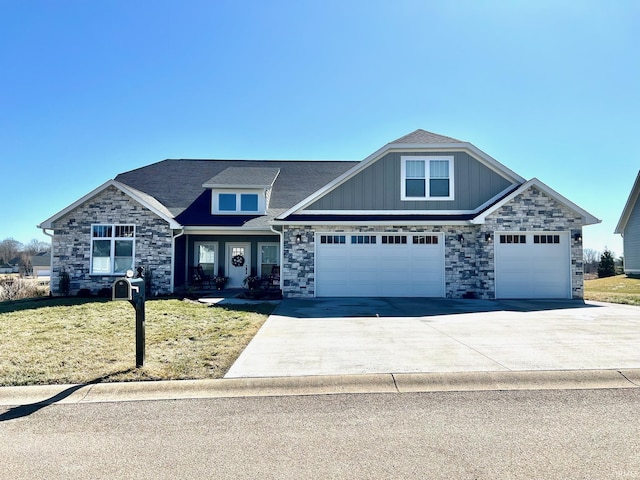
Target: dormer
<point x="241" y="190"/>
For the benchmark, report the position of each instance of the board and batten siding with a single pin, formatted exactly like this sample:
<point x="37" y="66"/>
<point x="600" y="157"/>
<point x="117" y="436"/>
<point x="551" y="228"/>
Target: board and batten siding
<point x="631" y="242"/>
<point x="377" y="187"/>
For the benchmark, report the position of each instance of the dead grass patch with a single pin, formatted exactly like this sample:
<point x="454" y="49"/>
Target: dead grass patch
<point x="618" y="289"/>
<point x="80" y="341"/>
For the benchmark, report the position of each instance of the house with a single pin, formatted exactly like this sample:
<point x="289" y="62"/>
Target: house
<point x="41" y="265"/>
<point x="426" y="215"/>
<point x="629" y="227"/>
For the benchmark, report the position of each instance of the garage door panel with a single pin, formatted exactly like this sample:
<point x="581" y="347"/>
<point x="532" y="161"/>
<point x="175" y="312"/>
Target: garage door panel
<point x="533" y="269"/>
<point x="380" y="269"/>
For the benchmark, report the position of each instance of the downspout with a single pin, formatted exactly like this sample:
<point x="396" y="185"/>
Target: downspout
<point x="173" y="259"/>
<point x="44" y="230"/>
<point x="281" y="252"/>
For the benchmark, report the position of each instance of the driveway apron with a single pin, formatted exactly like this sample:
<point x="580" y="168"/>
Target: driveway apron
<point x="336" y="336"/>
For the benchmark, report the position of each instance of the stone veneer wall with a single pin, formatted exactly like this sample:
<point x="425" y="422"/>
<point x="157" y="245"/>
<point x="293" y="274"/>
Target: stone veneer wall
<point x="71" y="246"/>
<point x="535" y="211"/>
<point x="469" y="264"/>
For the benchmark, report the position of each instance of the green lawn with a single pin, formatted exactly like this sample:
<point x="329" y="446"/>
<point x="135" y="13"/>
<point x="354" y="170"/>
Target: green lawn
<point x="81" y="340"/>
<point x="618" y="289"/>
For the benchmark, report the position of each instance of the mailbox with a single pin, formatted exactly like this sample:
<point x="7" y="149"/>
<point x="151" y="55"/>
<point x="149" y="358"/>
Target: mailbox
<point x="131" y="289"/>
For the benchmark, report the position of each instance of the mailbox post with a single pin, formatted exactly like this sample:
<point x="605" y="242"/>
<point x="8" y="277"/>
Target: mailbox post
<point x="133" y="290"/>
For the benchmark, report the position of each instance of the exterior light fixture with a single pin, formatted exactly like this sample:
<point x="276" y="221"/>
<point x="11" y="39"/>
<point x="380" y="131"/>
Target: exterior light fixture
<point x="487" y="237"/>
<point x="298" y="238"/>
<point x="577" y="237"/>
<point x="461" y="238"/>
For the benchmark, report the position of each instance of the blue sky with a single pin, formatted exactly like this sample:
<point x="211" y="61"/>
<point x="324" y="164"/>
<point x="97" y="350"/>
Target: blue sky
<point x="89" y="89"/>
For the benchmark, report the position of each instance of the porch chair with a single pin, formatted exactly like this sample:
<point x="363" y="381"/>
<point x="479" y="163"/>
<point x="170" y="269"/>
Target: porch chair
<point x="274" y="278"/>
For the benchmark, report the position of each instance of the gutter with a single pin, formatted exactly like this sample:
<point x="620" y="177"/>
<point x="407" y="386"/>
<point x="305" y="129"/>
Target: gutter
<point x="281" y="234"/>
<point x="173" y="260"/>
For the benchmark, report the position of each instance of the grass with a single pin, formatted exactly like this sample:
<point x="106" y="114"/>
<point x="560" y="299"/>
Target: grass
<point x="618" y="289"/>
<point x="57" y="341"/>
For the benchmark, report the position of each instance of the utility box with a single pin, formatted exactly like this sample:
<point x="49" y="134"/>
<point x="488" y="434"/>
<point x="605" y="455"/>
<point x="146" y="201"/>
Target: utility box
<point x="130" y="289"/>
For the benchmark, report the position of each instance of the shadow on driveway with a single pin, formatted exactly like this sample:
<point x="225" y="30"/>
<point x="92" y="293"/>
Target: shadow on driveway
<point x="336" y="307"/>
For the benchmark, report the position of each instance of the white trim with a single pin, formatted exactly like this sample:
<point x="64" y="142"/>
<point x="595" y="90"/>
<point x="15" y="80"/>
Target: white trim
<point x="48" y="223"/>
<point x="213" y="230"/>
<point x="427" y="177"/>
<point x="410" y="212"/>
<point x="628" y="207"/>
<point x="587" y="218"/>
<point x="216" y="255"/>
<point x="473" y="151"/>
<point x="215" y="207"/>
<point x="373" y="223"/>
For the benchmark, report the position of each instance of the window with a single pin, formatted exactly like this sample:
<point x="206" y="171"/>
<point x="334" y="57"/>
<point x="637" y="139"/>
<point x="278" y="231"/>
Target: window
<point x="427" y="178"/>
<point x="238" y="202"/>
<point x="513" y="239"/>
<point x="112" y="249"/>
<point x="394" y="239"/>
<point x="425" y="240"/>
<point x="333" y="239"/>
<point x="363" y="239"/>
<point x="546" y="239"/>
<point x="268" y="257"/>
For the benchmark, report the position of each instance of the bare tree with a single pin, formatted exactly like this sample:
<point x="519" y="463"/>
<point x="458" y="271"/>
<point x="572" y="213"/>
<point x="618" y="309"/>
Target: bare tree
<point x="591" y="259"/>
<point x="9" y="249"/>
<point x="36" y="246"/>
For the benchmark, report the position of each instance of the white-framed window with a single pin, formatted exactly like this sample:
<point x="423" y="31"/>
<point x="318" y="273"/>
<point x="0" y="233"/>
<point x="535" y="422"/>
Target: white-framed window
<point x="268" y="257"/>
<point x="206" y="255"/>
<point x="237" y="202"/>
<point x="112" y="248"/>
<point x="427" y="178"/>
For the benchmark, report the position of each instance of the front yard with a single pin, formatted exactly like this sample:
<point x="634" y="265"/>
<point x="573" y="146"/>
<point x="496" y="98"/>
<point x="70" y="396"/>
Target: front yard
<point x="618" y="289"/>
<point x="57" y="341"/>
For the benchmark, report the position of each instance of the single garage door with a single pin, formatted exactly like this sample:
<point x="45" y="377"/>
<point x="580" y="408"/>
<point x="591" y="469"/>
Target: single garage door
<point x="532" y="265"/>
<point x="379" y="265"/>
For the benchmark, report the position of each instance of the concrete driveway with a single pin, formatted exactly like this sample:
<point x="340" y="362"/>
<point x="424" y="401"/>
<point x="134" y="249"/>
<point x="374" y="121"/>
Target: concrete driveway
<point x="335" y="336"/>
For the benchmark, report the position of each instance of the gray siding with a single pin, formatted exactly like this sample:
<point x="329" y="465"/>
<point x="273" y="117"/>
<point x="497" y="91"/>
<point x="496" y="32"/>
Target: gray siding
<point x="377" y="187"/>
<point x="631" y="241"/>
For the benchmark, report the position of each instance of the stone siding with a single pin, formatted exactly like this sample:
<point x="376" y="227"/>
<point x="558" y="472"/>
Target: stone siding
<point x="469" y="254"/>
<point x="71" y="246"/>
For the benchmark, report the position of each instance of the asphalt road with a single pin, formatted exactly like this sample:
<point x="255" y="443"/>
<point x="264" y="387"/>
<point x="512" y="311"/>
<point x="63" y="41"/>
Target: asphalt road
<point x="552" y="434"/>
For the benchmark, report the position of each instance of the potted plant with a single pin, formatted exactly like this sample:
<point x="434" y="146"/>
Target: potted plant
<point x="220" y="282"/>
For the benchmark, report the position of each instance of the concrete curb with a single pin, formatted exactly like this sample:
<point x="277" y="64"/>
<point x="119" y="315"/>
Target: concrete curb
<point x="320" y="385"/>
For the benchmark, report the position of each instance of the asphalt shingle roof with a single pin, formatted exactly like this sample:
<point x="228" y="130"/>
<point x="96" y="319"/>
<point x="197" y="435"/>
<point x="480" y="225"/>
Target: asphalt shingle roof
<point x="178" y="186"/>
<point x="422" y="136"/>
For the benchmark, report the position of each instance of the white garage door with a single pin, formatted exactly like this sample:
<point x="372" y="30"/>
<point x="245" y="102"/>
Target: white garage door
<point x="532" y="265"/>
<point x="379" y="265"/>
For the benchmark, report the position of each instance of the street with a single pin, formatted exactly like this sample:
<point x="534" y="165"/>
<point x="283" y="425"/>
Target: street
<point x="564" y="434"/>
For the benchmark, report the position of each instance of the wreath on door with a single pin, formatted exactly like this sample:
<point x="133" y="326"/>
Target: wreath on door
<point x="237" y="261"/>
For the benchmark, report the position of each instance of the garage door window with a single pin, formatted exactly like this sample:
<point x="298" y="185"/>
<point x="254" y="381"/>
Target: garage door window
<point x="363" y="239"/>
<point x="546" y="239"/>
<point x="394" y="239"/>
<point x="333" y="239"/>
<point x="425" y="240"/>
<point x="513" y="239"/>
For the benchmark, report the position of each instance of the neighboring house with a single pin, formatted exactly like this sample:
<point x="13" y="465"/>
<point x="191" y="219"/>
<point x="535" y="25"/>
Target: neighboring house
<point x="424" y="216"/>
<point x="629" y="227"/>
<point x="5" y="268"/>
<point x="41" y="264"/>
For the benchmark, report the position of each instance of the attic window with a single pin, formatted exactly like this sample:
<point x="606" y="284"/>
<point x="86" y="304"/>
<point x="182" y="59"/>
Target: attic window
<point x="427" y="178"/>
<point x="237" y="202"/>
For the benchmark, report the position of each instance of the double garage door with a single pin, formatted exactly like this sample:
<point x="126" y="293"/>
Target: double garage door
<point x="379" y="265"/>
<point x="527" y="265"/>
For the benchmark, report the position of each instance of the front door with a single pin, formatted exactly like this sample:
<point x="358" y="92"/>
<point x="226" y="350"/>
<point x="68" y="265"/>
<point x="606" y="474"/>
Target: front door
<point x="238" y="263"/>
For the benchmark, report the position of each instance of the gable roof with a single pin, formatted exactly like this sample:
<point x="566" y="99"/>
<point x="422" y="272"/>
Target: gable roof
<point x="422" y="136"/>
<point x="587" y="218"/>
<point x="419" y="140"/>
<point x="628" y="208"/>
<point x="141" y="197"/>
